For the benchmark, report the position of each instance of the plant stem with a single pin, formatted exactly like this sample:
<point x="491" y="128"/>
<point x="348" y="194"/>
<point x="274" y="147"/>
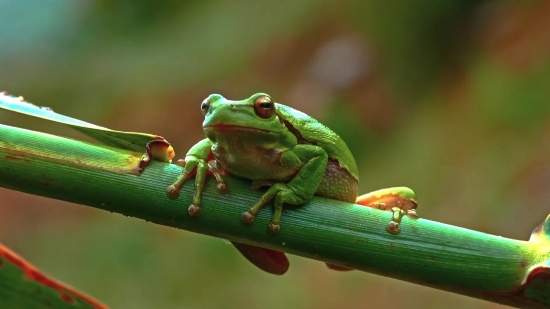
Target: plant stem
<point x="424" y="252"/>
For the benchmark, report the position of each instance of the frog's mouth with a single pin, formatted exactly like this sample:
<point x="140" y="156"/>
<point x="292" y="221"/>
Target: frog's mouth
<point x="222" y="127"/>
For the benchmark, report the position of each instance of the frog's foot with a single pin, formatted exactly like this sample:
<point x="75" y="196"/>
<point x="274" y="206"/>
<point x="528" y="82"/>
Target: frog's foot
<point x="400" y="201"/>
<point x="221" y="185"/>
<point x="191" y="166"/>
<point x="394" y="227"/>
<point x="282" y="194"/>
<point x="158" y="149"/>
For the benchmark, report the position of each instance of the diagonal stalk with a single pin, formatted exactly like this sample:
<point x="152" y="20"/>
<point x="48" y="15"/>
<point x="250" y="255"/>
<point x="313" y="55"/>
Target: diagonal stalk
<point x="445" y="257"/>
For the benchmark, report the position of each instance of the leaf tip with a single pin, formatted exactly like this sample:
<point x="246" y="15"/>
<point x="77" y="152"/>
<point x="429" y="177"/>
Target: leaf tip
<point x="542" y="232"/>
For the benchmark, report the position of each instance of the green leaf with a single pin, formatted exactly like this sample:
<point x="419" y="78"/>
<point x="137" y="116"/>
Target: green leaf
<point x="125" y="140"/>
<point x="23" y="286"/>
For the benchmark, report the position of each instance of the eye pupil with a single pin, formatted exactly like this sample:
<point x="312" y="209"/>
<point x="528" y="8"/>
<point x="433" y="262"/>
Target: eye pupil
<point x="264" y="106"/>
<point x="205" y="105"/>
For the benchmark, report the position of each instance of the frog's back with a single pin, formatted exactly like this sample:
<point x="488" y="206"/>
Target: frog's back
<point x="341" y="177"/>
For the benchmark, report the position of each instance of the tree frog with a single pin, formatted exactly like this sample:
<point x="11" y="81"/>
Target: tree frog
<point x="295" y="155"/>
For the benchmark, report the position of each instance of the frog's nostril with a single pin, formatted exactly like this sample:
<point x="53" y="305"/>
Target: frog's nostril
<point x="232" y="106"/>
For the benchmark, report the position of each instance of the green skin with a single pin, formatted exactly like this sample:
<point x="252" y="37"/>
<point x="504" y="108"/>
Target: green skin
<point x="277" y="146"/>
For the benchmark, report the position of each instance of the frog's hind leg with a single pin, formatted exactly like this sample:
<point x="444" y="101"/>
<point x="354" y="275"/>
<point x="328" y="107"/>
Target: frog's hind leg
<point x="282" y="194"/>
<point x="400" y="201"/>
<point x="298" y="190"/>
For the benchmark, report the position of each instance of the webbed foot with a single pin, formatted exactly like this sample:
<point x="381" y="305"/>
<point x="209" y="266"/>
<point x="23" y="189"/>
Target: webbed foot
<point x="194" y="210"/>
<point x="274" y="228"/>
<point x="247" y="217"/>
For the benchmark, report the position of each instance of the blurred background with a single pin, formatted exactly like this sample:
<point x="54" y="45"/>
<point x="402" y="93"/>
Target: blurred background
<point x="447" y="97"/>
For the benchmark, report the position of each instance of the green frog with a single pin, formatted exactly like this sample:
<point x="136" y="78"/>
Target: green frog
<point x="293" y="154"/>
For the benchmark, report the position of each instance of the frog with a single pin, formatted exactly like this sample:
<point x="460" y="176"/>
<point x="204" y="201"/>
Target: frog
<point x="285" y="150"/>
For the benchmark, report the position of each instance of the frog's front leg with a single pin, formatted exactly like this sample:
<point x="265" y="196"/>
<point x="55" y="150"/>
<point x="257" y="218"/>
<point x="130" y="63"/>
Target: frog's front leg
<point x="400" y="201"/>
<point x="297" y="191"/>
<point x="196" y="162"/>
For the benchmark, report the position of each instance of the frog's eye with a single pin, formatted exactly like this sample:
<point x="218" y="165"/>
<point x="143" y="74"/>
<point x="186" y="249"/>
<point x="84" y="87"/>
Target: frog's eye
<point x="205" y="105"/>
<point x="264" y="106"/>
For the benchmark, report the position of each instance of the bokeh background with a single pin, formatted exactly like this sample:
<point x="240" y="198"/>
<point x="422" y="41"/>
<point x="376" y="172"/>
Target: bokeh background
<point x="450" y="98"/>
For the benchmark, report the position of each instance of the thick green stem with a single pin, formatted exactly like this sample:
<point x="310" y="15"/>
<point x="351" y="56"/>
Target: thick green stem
<point x="425" y="252"/>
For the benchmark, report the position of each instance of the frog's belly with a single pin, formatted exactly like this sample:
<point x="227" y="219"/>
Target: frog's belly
<point x="260" y="164"/>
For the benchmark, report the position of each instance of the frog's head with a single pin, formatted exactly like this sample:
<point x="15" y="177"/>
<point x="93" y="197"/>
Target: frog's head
<point x="256" y="114"/>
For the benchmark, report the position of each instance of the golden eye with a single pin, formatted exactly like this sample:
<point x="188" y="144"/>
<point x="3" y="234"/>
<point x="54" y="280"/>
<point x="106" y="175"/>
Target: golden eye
<point x="264" y="106"/>
<point x="205" y="105"/>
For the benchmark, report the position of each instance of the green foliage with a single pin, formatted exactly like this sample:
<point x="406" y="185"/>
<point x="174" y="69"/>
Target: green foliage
<point x="22" y="286"/>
